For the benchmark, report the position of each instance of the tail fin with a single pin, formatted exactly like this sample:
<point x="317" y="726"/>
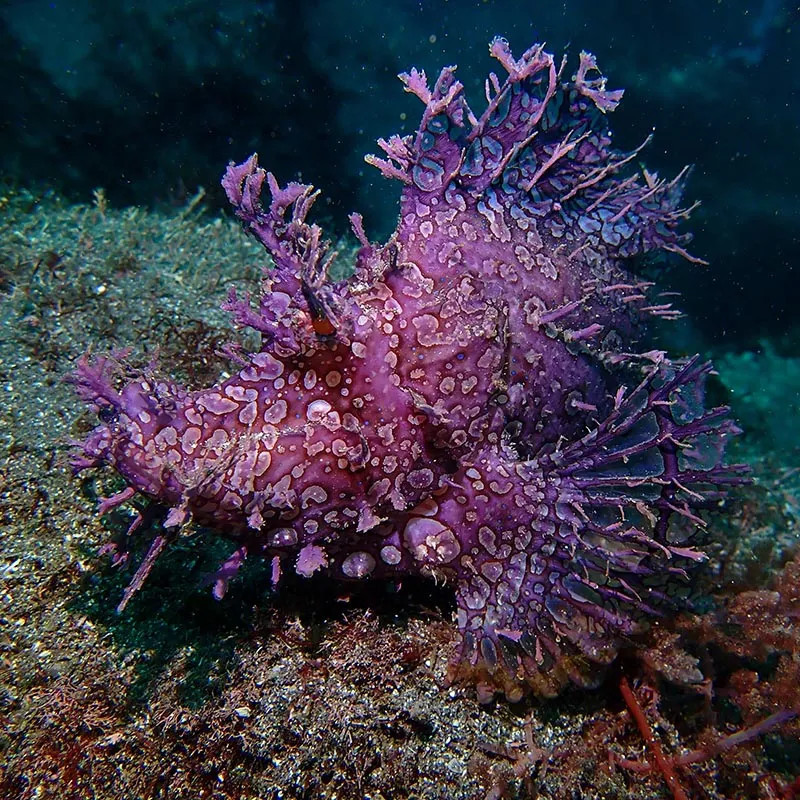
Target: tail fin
<point x="612" y="538"/>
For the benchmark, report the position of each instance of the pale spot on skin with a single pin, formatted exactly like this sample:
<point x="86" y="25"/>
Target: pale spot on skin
<point x="315" y="448"/>
<point x="492" y="571"/>
<point x="242" y="477"/>
<point x="192" y="416"/>
<point x="311" y="559"/>
<point x="240" y="393"/>
<point x="386" y="433"/>
<point x="416" y="284"/>
<point x="248" y="414"/>
<point x="389" y="464"/>
<point x="263" y="460"/>
<point x="276" y="412"/>
<point x="548" y="268"/>
<point x="427" y="326"/>
<point x="444" y="217"/>
<point x="190" y="439"/>
<point x="524" y="257"/>
<point x="468" y="385"/>
<point x="420" y="478"/>
<point x="166" y="437"/>
<point x="390" y="554"/>
<point x="317" y="410"/>
<point x="358" y="565"/>
<point x="269" y="368"/>
<point x="458" y="438"/>
<point x="488" y="539"/>
<point x="332" y="421"/>
<point x="313" y="494"/>
<point x="218" y="440"/>
<point x="379" y="489"/>
<point x="214" y="403"/>
<point x="350" y="422"/>
<point x="430" y="542"/>
<point x="486" y="361"/>
<point x="231" y="500"/>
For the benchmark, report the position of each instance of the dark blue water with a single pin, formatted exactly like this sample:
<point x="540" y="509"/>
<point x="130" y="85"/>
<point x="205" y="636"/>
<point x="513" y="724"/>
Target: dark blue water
<point x="150" y="100"/>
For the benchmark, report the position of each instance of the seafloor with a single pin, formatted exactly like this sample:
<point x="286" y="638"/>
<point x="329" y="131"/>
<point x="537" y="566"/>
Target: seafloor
<point x="328" y="690"/>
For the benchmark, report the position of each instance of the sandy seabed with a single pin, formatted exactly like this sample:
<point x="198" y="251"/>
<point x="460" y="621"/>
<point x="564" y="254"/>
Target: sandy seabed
<point x="326" y="690"/>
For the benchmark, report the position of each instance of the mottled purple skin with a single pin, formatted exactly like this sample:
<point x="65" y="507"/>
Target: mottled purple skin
<point x="469" y="405"/>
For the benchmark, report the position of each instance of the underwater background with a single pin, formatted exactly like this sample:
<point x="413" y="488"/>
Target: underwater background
<point x="116" y="123"/>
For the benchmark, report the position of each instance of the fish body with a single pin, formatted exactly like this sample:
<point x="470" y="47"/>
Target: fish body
<point x="470" y="405"/>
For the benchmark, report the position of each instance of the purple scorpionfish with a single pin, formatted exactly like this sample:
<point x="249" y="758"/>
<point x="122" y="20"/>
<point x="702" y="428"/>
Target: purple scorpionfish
<point x="470" y="404"/>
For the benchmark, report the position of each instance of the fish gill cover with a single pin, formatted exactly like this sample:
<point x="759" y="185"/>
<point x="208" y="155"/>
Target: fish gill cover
<point x="470" y="405"/>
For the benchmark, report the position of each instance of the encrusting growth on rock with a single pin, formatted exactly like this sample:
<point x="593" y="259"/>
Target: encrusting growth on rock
<point x="469" y="405"/>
